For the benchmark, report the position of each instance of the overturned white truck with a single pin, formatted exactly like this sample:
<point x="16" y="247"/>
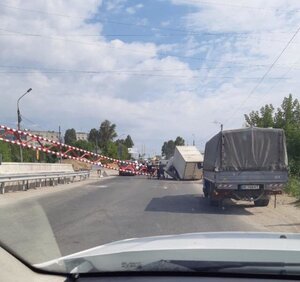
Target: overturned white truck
<point x="186" y="164"/>
<point x="245" y="164"/>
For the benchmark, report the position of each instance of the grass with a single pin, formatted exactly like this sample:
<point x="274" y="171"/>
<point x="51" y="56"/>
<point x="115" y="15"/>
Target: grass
<point x="293" y="187"/>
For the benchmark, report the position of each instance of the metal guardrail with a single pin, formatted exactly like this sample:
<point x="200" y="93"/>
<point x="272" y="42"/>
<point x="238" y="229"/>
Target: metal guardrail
<point x="24" y="181"/>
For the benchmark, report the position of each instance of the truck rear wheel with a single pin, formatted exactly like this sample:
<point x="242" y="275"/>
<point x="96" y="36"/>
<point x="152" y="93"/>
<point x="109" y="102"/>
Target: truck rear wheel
<point x="205" y="188"/>
<point x="205" y="192"/>
<point x="261" y="202"/>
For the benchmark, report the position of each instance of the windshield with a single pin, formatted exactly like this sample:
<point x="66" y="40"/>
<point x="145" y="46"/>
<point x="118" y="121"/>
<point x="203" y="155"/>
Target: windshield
<point x="151" y="135"/>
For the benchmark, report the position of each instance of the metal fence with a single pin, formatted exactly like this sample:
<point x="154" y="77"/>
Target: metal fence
<point x="23" y="182"/>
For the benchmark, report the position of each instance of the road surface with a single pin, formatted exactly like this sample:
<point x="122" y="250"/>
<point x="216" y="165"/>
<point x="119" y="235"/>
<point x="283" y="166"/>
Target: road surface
<point x="113" y="209"/>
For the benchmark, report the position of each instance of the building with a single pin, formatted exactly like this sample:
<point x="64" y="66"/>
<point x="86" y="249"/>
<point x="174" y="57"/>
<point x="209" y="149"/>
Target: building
<point x="52" y="135"/>
<point x="82" y="136"/>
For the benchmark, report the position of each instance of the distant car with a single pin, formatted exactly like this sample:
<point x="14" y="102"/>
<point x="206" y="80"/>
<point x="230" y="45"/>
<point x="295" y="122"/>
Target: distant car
<point x="127" y="169"/>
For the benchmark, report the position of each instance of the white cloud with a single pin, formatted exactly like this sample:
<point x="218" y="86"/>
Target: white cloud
<point x="133" y="9"/>
<point x="151" y="96"/>
<point x="249" y="34"/>
<point x="130" y="85"/>
<point x="115" y="5"/>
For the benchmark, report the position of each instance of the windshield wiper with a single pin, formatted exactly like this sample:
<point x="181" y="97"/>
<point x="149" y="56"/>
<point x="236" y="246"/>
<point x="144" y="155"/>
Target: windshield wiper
<point x="219" y="266"/>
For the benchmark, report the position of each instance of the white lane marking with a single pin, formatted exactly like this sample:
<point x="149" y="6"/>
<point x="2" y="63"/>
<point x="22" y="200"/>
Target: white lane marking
<point x="102" y="186"/>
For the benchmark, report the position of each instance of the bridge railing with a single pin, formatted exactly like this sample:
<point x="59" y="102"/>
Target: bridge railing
<point x="35" y="180"/>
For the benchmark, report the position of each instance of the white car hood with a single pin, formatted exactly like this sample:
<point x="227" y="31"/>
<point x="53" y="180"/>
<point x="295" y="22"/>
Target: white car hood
<point x="217" y="246"/>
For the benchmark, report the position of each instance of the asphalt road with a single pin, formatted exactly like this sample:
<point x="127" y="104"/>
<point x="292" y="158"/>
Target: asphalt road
<point x="109" y="210"/>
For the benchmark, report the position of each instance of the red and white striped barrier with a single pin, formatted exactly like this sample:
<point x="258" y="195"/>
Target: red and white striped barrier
<point x="64" y="150"/>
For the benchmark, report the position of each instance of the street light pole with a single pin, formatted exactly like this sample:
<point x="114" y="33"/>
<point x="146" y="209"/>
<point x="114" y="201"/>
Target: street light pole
<point x="20" y="119"/>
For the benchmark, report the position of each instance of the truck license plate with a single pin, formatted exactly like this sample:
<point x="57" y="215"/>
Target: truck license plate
<point x="249" y="187"/>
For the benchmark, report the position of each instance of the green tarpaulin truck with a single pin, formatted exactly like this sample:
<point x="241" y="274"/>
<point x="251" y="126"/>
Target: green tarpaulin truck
<point x="245" y="164"/>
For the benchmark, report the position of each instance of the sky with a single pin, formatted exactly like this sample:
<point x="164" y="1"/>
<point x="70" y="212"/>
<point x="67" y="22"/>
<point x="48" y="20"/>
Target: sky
<point x="158" y="69"/>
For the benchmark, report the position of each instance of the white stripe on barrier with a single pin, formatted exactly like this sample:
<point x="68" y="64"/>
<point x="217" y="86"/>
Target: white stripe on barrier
<point x="20" y="132"/>
<point x="70" y="157"/>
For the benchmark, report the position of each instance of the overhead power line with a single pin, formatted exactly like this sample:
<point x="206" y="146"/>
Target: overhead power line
<point x="145" y="25"/>
<point x="266" y="73"/>
<point x="261" y="36"/>
<point x="134" y="74"/>
<point x="145" y="70"/>
<point x="125" y="48"/>
<point x="111" y="46"/>
<point x="213" y="3"/>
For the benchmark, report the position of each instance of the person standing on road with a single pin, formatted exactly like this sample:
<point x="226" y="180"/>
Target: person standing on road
<point x="161" y="171"/>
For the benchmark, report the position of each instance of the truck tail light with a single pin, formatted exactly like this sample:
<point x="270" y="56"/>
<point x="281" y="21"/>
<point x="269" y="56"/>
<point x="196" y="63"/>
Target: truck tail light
<point x="276" y="185"/>
<point x="225" y="186"/>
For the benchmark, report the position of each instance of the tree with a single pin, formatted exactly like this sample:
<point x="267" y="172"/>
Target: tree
<point x="85" y="145"/>
<point x="287" y="117"/>
<point x="107" y="133"/>
<point x="262" y="118"/>
<point x="70" y="136"/>
<point x="128" y="142"/>
<point x="93" y="136"/>
<point x="168" y="149"/>
<point x="111" y="150"/>
<point x="120" y="141"/>
<point x="179" y="141"/>
<point x="5" y="152"/>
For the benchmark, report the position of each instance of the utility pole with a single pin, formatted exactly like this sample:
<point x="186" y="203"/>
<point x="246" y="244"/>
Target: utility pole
<point x="19" y="121"/>
<point x="60" y="141"/>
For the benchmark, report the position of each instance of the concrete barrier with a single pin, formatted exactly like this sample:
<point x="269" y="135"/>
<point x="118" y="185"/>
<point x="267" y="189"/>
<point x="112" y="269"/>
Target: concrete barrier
<point x="23" y="168"/>
<point x="102" y="172"/>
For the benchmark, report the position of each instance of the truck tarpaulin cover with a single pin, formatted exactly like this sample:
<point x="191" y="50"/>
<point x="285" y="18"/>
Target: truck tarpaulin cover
<point x="246" y="149"/>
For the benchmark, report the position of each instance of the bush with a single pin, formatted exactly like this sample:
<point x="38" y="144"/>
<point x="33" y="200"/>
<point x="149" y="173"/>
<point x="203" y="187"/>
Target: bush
<point x="293" y="187"/>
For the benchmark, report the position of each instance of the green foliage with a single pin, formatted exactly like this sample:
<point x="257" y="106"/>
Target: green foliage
<point x="70" y="136"/>
<point x="287" y="117"/>
<point x="5" y="152"/>
<point x="111" y="150"/>
<point x="123" y="153"/>
<point x="29" y="156"/>
<point x="107" y="133"/>
<point x="102" y="138"/>
<point x="179" y="141"/>
<point x="128" y="142"/>
<point x="262" y="118"/>
<point x="11" y="153"/>
<point x="83" y="144"/>
<point x="15" y="153"/>
<point x="94" y="136"/>
<point x="293" y="187"/>
<point x="168" y="147"/>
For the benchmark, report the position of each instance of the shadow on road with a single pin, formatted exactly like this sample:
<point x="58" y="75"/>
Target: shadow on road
<point x="296" y="204"/>
<point x="194" y="204"/>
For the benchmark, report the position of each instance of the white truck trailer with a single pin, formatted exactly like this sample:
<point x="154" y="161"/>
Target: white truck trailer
<point x="186" y="164"/>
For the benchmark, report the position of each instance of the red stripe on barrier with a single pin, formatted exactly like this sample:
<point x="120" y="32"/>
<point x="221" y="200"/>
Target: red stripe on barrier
<point x="64" y="154"/>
